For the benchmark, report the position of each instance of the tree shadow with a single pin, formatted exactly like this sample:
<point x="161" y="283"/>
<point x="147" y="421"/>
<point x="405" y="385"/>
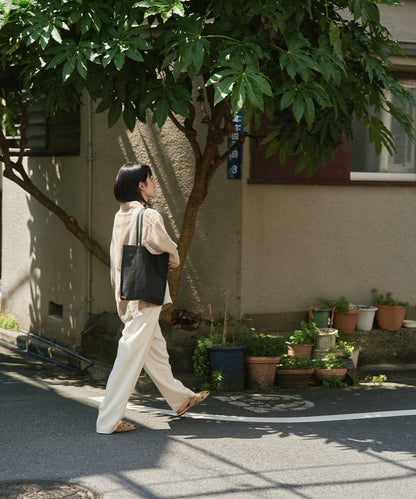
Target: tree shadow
<point x="52" y="420"/>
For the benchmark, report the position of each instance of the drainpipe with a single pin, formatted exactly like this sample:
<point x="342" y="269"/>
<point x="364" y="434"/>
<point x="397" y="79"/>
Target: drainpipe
<point x="90" y="161"/>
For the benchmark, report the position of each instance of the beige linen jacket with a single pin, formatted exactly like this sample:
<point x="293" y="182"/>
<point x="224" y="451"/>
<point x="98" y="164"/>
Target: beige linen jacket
<point x="154" y="238"/>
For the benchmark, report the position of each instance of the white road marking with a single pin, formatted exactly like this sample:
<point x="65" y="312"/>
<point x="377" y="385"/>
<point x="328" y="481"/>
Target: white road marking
<point x="299" y="419"/>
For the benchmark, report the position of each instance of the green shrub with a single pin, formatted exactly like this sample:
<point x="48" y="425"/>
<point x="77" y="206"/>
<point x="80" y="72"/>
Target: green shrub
<point x="306" y="335"/>
<point x="7" y="321"/>
<point x="292" y="362"/>
<point x="260" y="344"/>
<point x="387" y="299"/>
<point x="331" y="361"/>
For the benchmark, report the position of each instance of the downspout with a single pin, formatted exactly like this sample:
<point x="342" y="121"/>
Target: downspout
<point x="90" y="161"/>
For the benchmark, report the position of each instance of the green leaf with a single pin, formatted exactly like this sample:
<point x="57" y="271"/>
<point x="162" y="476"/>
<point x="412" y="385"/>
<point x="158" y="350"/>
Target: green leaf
<point x="69" y="67"/>
<point x="224" y="89"/>
<point x="114" y="113"/>
<point x="129" y="116"/>
<point x="134" y="54"/>
<point x="119" y="60"/>
<point x="298" y="107"/>
<point x="162" y="109"/>
<point x="81" y="66"/>
<point x="56" y="35"/>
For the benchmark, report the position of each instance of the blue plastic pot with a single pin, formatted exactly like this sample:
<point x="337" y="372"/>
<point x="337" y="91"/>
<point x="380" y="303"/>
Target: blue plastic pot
<point x="230" y="361"/>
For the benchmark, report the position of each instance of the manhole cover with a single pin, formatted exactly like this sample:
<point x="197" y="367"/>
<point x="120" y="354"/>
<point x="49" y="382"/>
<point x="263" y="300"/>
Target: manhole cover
<point x="45" y="490"/>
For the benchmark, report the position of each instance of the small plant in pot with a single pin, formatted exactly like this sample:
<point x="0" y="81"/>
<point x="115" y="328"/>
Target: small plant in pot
<point x="217" y="353"/>
<point x="262" y="356"/>
<point x="348" y="349"/>
<point x="320" y="316"/>
<point x="302" y="340"/>
<point x="329" y="366"/>
<point x="345" y="314"/>
<point x="390" y="312"/>
<point x="294" y="372"/>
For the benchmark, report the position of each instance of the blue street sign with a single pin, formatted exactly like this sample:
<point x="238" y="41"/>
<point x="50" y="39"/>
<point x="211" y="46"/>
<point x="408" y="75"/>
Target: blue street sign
<point x="235" y="160"/>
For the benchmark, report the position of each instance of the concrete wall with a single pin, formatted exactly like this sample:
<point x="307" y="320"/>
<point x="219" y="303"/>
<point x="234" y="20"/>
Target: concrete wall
<point x="44" y="268"/>
<point x="213" y="264"/>
<point x="44" y="263"/>
<point x="302" y="243"/>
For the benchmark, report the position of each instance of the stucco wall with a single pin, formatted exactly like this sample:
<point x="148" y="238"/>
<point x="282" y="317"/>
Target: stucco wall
<point x="42" y="262"/>
<point x="213" y="263"/>
<point x="314" y="242"/>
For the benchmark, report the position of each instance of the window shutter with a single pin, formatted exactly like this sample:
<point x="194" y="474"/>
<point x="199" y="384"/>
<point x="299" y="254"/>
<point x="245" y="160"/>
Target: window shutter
<point x="59" y="136"/>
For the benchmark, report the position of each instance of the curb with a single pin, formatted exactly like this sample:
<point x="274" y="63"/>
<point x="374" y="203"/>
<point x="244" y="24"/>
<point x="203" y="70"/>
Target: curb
<point x="98" y="371"/>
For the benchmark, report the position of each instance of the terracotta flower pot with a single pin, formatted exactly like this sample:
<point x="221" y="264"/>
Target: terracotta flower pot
<point x="304" y="351"/>
<point x="326" y="374"/>
<point x="261" y="371"/>
<point x="294" y="378"/>
<point x="390" y="318"/>
<point x="346" y="322"/>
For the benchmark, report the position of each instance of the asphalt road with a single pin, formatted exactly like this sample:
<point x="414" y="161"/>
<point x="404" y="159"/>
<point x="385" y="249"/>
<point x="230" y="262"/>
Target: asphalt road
<point x="351" y="442"/>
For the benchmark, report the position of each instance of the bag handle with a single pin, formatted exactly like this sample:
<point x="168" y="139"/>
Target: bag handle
<point x="139" y="227"/>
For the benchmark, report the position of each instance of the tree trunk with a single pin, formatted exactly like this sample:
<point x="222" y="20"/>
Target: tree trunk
<point x="206" y="165"/>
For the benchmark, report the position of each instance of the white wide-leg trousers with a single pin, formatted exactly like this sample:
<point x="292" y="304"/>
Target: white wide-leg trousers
<point x="142" y="345"/>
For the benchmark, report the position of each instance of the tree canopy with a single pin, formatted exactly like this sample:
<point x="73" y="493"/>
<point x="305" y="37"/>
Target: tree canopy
<point x="313" y="66"/>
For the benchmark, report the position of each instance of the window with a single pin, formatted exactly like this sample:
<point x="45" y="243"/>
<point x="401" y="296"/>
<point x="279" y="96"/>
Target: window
<point x="366" y="164"/>
<point x="358" y="164"/>
<point x="49" y="136"/>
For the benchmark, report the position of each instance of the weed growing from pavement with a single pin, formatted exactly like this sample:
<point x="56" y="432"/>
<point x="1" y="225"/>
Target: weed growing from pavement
<point x="378" y="379"/>
<point x="7" y="321"/>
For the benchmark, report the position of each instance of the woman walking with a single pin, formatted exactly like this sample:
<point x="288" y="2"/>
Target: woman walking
<point x="142" y="344"/>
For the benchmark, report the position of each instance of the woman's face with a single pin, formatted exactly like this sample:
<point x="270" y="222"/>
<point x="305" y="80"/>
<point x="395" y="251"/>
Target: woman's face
<point x="148" y="188"/>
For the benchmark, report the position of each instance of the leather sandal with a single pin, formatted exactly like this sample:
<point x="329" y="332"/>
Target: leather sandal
<point x="124" y="426"/>
<point x="191" y="402"/>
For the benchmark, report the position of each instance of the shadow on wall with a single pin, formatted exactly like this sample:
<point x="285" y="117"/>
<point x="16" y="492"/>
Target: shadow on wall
<point x="172" y="162"/>
<point x="58" y="260"/>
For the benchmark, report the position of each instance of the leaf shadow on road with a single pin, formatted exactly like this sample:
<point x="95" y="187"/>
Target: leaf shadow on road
<point x="49" y="433"/>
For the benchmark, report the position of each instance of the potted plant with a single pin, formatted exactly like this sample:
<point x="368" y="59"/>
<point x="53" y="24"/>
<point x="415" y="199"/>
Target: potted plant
<point x="262" y="356"/>
<point x="329" y="366"/>
<point x="349" y="349"/>
<point x="320" y="316"/>
<point x="345" y="315"/>
<point x="366" y="316"/>
<point x="294" y="372"/>
<point x="303" y="339"/>
<point x="217" y="353"/>
<point x="390" y="312"/>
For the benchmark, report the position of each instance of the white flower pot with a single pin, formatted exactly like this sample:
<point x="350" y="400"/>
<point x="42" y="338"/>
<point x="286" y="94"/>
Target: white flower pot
<point x="366" y="318"/>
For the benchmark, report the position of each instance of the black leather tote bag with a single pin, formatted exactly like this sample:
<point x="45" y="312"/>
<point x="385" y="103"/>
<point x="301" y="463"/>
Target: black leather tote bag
<point x="143" y="275"/>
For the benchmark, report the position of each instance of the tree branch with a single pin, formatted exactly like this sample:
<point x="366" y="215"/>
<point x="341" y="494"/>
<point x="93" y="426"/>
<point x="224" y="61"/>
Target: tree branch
<point x="4" y="146"/>
<point x="70" y="222"/>
<point x="189" y="131"/>
<point x="229" y="151"/>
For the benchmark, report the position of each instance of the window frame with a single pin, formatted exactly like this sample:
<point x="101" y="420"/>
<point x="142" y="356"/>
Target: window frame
<point x="49" y="125"/>
<point x="266" y="171"/>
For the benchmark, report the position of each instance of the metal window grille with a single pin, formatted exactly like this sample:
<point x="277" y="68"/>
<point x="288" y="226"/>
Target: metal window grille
<point x="60" y="136"/>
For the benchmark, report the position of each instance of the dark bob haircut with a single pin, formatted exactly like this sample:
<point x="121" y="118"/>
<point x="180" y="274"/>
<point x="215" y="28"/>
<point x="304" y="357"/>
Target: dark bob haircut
<point x="126" y="187"/>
